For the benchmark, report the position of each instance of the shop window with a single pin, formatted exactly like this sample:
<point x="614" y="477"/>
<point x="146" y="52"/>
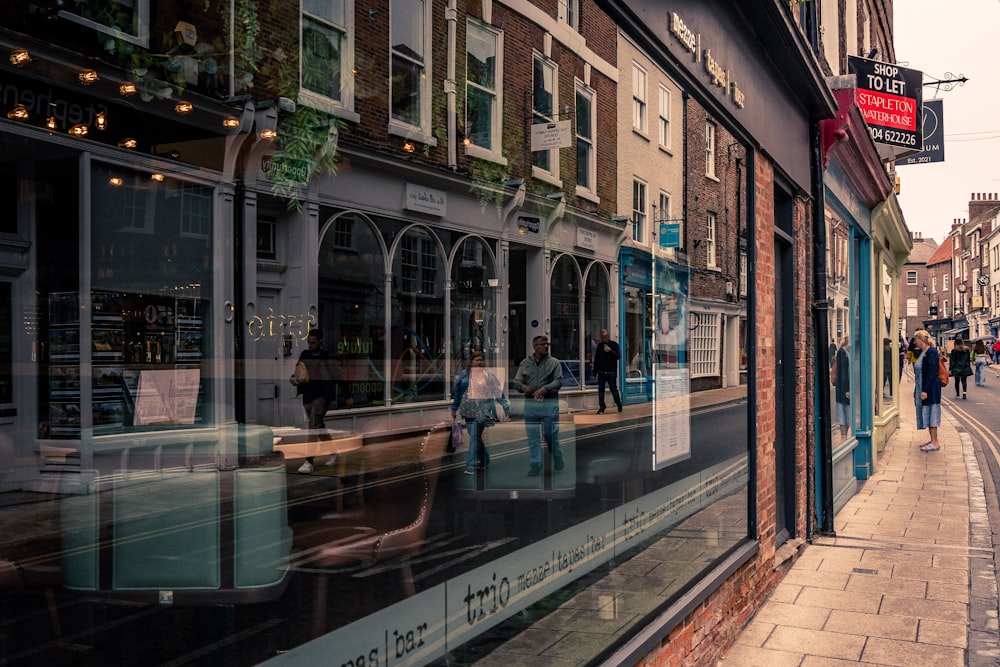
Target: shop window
<point x="483" y="88"/>
<point x="124" y="19"/>
<point x="565" y="343"/>
<point x="327" y="54"/>
<point x="409" y="80"/>
<point x="417" y="320"/>
<point x="544" y="109"/>
<point x="596" y="305"/>
<point x="473" y="304"/>
<point x="352" y="310"/>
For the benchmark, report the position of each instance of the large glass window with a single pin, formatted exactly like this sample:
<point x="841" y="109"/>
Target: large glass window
<point x="327" y="53"/>
<point x="597" y="304"/>
<point x="474" y="288"/>
<point x="565" y="338"/>
<point x="417" y="331"/>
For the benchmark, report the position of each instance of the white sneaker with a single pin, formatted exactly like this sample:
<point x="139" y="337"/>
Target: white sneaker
<point x="305" y="468"/>
<point x="332" y="461"/>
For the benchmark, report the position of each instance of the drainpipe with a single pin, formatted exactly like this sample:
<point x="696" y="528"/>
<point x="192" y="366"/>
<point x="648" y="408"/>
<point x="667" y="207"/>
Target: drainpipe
<point x="451" y="15"/>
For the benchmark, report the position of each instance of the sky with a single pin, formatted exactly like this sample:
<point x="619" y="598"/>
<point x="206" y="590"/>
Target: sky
<point x="957" y="37"/>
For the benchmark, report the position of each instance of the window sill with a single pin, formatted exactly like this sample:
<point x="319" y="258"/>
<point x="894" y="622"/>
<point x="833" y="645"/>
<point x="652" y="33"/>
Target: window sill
<point x="642" y="135"/>
<point x="588" y="194"/>
<point x="411" y="133"/>
<point x="485" y="154"/>
<point x="546" y="176"/>
<point x="328" y="105"/>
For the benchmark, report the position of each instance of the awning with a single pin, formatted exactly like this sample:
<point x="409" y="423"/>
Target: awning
<point x="954" y="333"/>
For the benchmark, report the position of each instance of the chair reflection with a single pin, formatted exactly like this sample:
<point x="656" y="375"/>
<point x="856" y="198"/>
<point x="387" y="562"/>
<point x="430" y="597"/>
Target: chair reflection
<point x="390" y="524"/>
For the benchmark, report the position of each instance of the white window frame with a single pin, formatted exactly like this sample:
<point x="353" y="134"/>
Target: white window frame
<point x="495" y="152"/>
<point x="421" y="131"/>
<point x="639" y="94"/>
<point x="344" y="106"/>
<point x="944" y="283"/>
<point x="666" y="141"/>
<point x="552" y="173"/>
<point x="590" y="138"/>
<point x="911" y="277"/>
<point x="711" y="227"/>
<point x="140" y="24"/>
<point x="710" y="138"/>
<point x="267" y="238"/>
<point x="640" y="202"/>
<point x="703" y="345"/>
<point x="569" y="13"/>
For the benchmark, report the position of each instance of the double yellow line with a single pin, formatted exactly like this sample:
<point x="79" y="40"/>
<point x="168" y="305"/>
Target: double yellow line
<point x="978" y="429"/>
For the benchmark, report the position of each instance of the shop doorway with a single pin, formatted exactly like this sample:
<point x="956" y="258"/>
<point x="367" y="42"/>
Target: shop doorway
<point x="267" y="366"/>
<point x="517" y="329"/>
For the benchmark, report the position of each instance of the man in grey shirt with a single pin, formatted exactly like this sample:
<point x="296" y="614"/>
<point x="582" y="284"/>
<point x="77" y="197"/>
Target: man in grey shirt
<point x="539" y="378"/>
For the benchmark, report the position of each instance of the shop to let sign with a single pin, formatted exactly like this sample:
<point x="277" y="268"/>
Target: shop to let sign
<point x="890" y="98"/>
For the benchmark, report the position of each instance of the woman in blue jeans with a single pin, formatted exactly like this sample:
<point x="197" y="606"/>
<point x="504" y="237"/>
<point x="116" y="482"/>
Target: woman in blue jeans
<point x="475" y="397"/>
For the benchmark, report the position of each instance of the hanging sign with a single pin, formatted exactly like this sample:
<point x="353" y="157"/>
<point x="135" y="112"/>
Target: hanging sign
<point x="890" y="98"/>
<point x="546" y="136"/>
<point x="933" y="132"/>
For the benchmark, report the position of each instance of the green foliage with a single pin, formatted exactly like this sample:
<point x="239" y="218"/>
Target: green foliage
<point x="310" y="136"/>
<point x="489" y="180"/>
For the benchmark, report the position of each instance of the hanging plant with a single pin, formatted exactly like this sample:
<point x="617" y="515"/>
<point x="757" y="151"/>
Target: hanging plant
<point x="308" y="137"/>
<point x="489" y="180"/>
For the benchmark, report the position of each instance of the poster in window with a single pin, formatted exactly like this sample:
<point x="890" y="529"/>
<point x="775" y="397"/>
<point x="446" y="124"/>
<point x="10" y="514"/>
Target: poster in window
<point x="64" y="380"/>
<point x="64" y="345"/>
<point x="108" y="344"/>
<point x="167" y="396"/>
<point x="671" y="415"/>
<point x="107" y="380"/>
<point x="64" y="418"/>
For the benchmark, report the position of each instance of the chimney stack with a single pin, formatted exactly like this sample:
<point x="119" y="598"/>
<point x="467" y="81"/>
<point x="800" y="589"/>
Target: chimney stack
<point x="980" y="203"/>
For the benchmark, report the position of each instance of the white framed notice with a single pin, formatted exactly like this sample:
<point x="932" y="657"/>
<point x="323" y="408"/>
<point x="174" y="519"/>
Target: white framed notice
<point x="671" y="415"/>
<point x="167" y="396"/>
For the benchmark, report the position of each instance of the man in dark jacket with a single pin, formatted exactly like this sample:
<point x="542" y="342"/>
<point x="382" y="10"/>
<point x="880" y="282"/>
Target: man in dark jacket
<point x="606" y="357"/>
<point x="316" y="380"/>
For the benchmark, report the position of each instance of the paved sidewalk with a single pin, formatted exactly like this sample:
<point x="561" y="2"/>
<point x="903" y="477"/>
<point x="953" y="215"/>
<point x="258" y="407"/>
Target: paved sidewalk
<point x="908" y="580"/>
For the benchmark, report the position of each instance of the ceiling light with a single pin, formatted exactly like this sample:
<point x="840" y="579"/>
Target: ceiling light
<point x="268" y="133"/>
<point x="18" y="113"/>
<point x="157" y="177"/>
<point x="183" y="107"/>
<point x="128" y="143"/>
<point x="88" y="76"/>
<point x="78" y="130"/>
<point x="115" y="181"/>
<point x="231" y="122"/>
<point x="101" y="120"/>
<point x="19" y="57"/>
<point x="127" y="88"/>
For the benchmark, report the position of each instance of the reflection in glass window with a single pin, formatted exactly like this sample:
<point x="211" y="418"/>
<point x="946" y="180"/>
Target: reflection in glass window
<point x="473" y="304"/>
<point x="408" y="54"/>
<point x="324" y="34"/>
<point x="352" y="308"/>
<point x="417" y="328"/>
<point x="704" y="344"/>
<point x="544" y="105"/>
<point x="596" y="306"/>
<point x="482" y="107"/>
<point x="565" y="340"/>
<point x="586" y="156"/>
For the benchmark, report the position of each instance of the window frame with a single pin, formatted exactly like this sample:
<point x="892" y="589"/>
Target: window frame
<point x="569" y="13"/>
<point x="343" y="107"/>
<point x="711" y="229"/>
<point x="911" y="277"/>
<point x="420" y="131"/>
<point x="665" y="138"/>
<point x="590" y="95"/>
<point x="703" y="343"/>
<point x="710" y="139"/>
<point x="495" y="151"/>
<point x="640" y="107"/>
<point x="550" y="173"/>
<point x="639" y="213"/>
<point x="140" y="23"/>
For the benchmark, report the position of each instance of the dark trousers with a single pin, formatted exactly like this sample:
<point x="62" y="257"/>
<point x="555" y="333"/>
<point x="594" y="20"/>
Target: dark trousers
<point x="609" y="378"/>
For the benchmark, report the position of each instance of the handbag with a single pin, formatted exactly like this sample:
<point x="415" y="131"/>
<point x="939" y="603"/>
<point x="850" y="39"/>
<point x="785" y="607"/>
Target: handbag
<point x="457" y="438"/>
<point x="942" y="371"/>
